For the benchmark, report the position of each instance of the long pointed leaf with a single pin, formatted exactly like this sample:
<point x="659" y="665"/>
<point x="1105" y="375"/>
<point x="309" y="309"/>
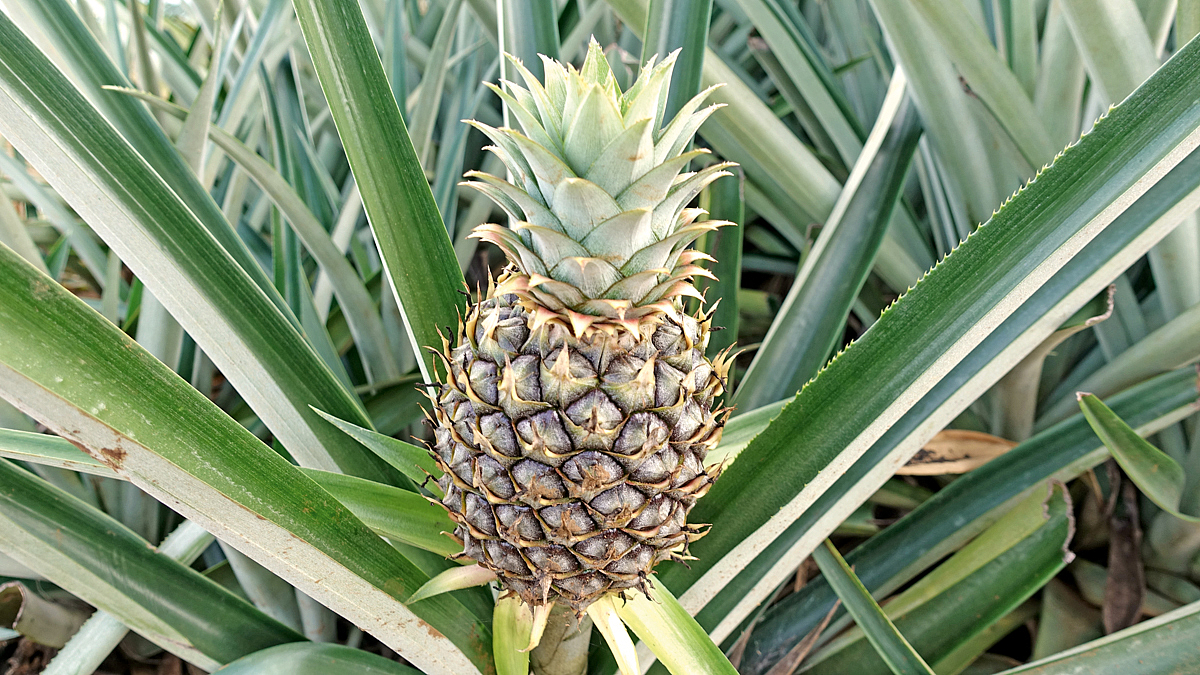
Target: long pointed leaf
<point x="1116" y="248"/>
<point x="777" y="23"/>
<point x="820" y="434"/>
<point x="1172" y="345"/>
<point x="671" y="25"/>
<point x="91" y="69"/>
<point x="15" y="235"/>
<point x="315" y="659"/>
<point x="901" y="658"/>
<point x="812" y="318"/>
<point x="96" y="639"/>
<point x="193" y="137"/>
<point x="989" y="78"/>
<point x="959" y="512"/>
<point x="971" y="591"/>
<point x="416" y="251"/>
<point x="361" y="314"/>
<point x="50" y="451"/>
<point x="1165" y="644"/>
<point x="391" y="512"/>
<point x="412" y="461"/>
<point x="432" y="83"/>
<point x="671" y="634"/>
<point x="976" y="176"/>
<point x="724" y="201"/>
<point x="1158" y="476"/>
<point x="103" y="562"/>
<point x="85" y="245"/>
<point x="1120" y="53"/>
<point x="394" y="513"/>
<point x="528" y="28"/>
<point x="161" y="239"/>
<point x="90" y="383"/>
<point x="748" y="132"/>
<point x="453" y="579"/>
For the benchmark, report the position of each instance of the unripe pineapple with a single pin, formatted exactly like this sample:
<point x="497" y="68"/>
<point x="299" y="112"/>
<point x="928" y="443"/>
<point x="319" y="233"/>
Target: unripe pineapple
<point x="577" y="409"/>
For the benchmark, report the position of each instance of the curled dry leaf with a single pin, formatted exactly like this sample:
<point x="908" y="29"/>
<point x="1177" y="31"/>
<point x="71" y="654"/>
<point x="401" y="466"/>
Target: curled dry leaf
<point x="954" y="451"/>
<point x="39" y="620"/>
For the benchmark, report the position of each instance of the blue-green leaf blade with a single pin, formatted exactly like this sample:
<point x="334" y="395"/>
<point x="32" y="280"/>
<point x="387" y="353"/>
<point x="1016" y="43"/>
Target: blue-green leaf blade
<point x="901" y="658"/>
<point x="417" y="253"/>
<point x="958" y="512"/>
<point x="315" y="658"/>
<point x="105" y="563"/>
<point x="89" y="382"/>
<point x="1156" y="474"/>
<point x="412" y="461"/>
<point x="216" y="299"/>
<point x="991" y="275"/>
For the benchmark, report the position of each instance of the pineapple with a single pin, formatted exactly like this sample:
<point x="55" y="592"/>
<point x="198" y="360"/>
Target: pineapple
<point x="577" y="407"/>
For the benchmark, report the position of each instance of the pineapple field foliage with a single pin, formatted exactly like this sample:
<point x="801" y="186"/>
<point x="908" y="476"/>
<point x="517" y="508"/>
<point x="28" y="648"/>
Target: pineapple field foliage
<point x="237" y="243"/>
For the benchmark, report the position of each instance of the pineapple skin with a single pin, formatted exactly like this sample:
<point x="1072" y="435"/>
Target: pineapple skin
<point x="577" y="407"/>
<point x="570" y="463"/>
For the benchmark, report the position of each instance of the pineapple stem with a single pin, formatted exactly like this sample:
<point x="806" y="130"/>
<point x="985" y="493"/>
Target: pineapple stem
<point x="563" y="649"/>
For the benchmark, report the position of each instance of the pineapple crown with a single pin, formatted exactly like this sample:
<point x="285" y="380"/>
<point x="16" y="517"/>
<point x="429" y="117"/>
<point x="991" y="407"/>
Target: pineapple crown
<point x="599" y="225"/>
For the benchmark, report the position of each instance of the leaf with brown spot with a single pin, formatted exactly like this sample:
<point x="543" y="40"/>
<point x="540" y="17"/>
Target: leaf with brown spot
<point x="114" y="457"/>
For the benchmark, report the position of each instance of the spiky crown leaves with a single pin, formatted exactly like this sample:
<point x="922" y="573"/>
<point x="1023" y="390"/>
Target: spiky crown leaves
<point x="599" y="229"/>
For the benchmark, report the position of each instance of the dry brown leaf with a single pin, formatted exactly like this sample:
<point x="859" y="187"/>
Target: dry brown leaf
<point x="1125" y="586"/>
<point x="954" y="451"/>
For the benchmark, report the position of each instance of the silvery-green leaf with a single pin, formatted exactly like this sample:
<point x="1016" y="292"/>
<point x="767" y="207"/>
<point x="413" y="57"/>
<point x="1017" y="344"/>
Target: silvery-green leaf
<point x="556" y="85"/>
<point x="576" y="90"/>
<point x="595" y="65"/>
<point x="646" y="95"/>
<point x="549" y="245"/>
<point x="619" y="237"/>
<point x="548" y="169"/>
<point x="590" y="275"/>
<point x="530" y="123"/>
<point x="530" y="261"/>
<point x="689" y="127"/>
<point x="512" y="245"/>
<point x="580" y="206"/>
<point x="560" y="292"/>
<point x="497" y="195"/>
<point x="626" y="159"/>
<point x="547" y="112"/>
<point x="634" y="287"/>
<point x="652" y="188"/>
<point x="509" y="153"/>
<point x="525" y="99"/>
<point x="676" y="133"/>
<point x="515" y="201"/>
<point x="643" y="77"/>
<point x="194" y="135"/>
<point x="678" y="282"/>
<point x="666" y="214"/>
<point x="596" y="124"/>
<point x="660" y="254"/>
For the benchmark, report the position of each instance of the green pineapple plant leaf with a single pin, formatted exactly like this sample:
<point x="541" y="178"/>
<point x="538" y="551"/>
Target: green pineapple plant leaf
<point x="229" y="275"/>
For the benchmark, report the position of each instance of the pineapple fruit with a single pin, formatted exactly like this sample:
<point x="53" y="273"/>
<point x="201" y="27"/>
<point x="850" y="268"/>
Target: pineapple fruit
<point x="578" y="406"/>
